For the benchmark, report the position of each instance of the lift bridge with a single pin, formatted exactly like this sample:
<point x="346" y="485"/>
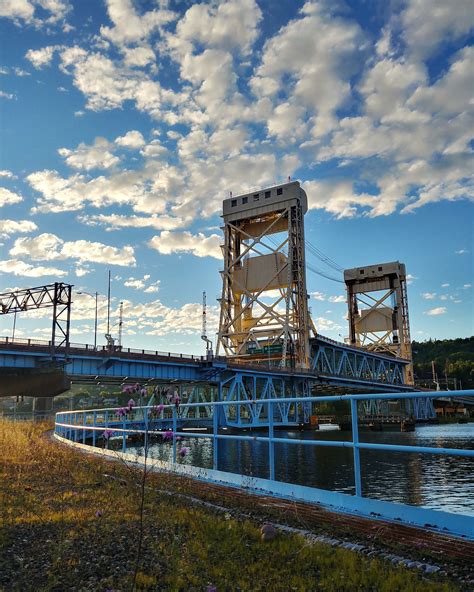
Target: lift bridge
<point x="268" y="346"/>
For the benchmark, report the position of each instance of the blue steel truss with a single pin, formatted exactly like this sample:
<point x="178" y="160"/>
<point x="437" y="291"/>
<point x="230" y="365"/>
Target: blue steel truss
<point x="333" y="364"/>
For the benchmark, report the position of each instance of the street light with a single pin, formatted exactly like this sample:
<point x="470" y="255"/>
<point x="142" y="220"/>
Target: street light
<point x="96" y="295"/>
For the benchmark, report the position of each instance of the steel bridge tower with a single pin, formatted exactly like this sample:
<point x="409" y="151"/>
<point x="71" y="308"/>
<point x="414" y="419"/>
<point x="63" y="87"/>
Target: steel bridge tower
<point x="264" y="306"/>
<point x="378" y="311"/>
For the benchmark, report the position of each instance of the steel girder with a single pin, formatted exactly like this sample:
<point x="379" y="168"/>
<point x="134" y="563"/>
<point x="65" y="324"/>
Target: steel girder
<point x="255" y="388"/>
<point x="337" y="361"/>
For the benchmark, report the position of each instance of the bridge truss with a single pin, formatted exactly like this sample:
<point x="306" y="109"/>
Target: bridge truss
<point x="56" y="296"/>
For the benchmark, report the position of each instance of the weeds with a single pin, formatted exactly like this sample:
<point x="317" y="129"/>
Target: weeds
<point x="71" y="521"/>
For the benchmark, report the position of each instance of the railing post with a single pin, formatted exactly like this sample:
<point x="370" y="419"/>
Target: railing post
<point x="94" y="424"/>
<point x="84" y="418"/>
<point x="124" y="435"/>
<point x="215" y="441"/>
<point x="175" y="428"/>
<point x="355" y="443"/>
<point x="271" y="449"/>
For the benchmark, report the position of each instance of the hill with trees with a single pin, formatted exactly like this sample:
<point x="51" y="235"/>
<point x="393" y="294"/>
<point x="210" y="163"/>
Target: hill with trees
<point x="452" y="357"/>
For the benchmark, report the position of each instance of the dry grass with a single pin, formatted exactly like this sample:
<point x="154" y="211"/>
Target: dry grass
<point x="66" y="525"/>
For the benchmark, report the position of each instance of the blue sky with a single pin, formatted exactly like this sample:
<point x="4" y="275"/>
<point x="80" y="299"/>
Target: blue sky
<point x="125" y="123"/>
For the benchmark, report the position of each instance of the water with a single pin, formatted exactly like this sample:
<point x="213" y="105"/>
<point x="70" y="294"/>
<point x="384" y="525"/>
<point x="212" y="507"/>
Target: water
<point x="437" y="482"/>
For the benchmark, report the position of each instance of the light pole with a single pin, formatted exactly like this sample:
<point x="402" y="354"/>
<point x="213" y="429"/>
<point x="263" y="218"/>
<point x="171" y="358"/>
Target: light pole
<point x="96" y="295"/>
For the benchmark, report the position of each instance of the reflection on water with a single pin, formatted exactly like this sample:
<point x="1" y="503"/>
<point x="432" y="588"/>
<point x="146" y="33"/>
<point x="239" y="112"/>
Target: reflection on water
<point x="438" y="482"/>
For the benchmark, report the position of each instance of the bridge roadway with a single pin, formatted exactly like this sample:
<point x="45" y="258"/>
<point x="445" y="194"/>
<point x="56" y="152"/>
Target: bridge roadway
<point x="332" y="363"/>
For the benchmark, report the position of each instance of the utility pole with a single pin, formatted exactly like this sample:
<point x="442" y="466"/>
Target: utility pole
<point x="108" y="307"/>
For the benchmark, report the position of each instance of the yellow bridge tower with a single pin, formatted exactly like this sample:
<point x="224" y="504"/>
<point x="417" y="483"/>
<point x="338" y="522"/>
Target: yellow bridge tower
<point x="264" y="304"/>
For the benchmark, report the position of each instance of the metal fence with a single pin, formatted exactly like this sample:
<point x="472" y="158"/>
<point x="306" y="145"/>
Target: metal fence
<point x="89" y="425"/>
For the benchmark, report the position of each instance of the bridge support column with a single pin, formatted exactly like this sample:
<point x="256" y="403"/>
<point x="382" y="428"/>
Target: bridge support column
<point x="42" y="406"/>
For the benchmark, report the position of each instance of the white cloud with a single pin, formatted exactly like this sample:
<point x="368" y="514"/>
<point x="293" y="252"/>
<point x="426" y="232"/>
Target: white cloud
<point x="132" y="139"/>
<point x="9" y="227"/>
<point x="318" y="296"/>
<point x="138" y="56"/>
<point x="20" y="268"/>
<point x="467" y="286"/>
<point x="337" y="299"/>
<point x="461" y="252"/>
<point x="445" y="285"/>
<point x="8" y="197"/>
<point x="199" y="244"/>
<point x="434" y="312"/>
<point x="97" y="156"/>
<point x="24" y="11"/>
<point x="153" y="149"/>
<point x="48" y="247"/>
<point x="130" y="27"/>
<point x="228" y="25"/>
<point x="6" y="174"/>
<point x="6" y="95"/>
<point x="117" y="221"/>
<point x="428" y="295"/>
<point x="41" y="57"/>
<point x="155" y="318"/>
<point x="323" y="324"/>
<point x="153" y="287"/>
<point x="428" y="23"/>
<point x="311" y="60"/>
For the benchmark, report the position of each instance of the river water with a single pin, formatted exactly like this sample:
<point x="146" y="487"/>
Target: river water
<point x="438" y="482"/>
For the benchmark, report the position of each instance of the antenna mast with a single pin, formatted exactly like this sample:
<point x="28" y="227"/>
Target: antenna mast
<point x="204" y="327"/>
<point x="120" y="325"/>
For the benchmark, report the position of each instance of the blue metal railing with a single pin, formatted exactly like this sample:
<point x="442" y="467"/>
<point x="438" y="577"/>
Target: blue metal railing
<point x="77" y="426"/>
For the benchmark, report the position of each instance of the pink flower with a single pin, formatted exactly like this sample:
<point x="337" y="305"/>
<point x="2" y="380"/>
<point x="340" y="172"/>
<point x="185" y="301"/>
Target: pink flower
<point x="143" y="392"/>
<point x="107" y="434"/>
<point x="183" y="451"/>
<point x="98" y="514"/>
<point x="131" y="404"/>
<point x="168" y="435"/>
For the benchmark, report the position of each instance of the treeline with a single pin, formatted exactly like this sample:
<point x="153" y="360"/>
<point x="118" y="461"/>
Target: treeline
<point x="452" y="357"/>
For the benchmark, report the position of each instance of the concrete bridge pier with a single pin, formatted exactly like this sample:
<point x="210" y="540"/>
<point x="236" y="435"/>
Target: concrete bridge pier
<point x="42" y="406"/>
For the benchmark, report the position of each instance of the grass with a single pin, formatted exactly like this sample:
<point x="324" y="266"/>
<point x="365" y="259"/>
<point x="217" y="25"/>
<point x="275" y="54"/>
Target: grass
<point x="66" y="524"/>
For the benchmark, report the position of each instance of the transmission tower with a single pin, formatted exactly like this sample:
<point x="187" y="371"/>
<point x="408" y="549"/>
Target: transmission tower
<point x="264" y="305"/>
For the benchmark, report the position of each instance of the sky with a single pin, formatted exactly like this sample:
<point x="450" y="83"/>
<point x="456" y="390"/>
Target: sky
<point x="125" y="123"/>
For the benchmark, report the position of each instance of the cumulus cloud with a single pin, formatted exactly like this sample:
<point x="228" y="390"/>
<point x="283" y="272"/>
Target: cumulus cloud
<point x="132" y="139"/>
<point x="434" y="312"/>
<point x="9" y="227"/>
<point x="117" y="221"/>
<point x="445" y="22"/>
<point x="8" y="197"/>
<point x="48" y="247"/>
<point x="25" y="11"/>
<point x="461" y="252"/>
<point x="129" y="26"/>
<point x="20" y="268"/>
<point x="155" y="318"/>
<point x="428" y="295"/>
<point x="199" y="244"/>
<point x="97" y="156"/>
<point x="41" y="57"/>
<point x="5" y="174"/>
